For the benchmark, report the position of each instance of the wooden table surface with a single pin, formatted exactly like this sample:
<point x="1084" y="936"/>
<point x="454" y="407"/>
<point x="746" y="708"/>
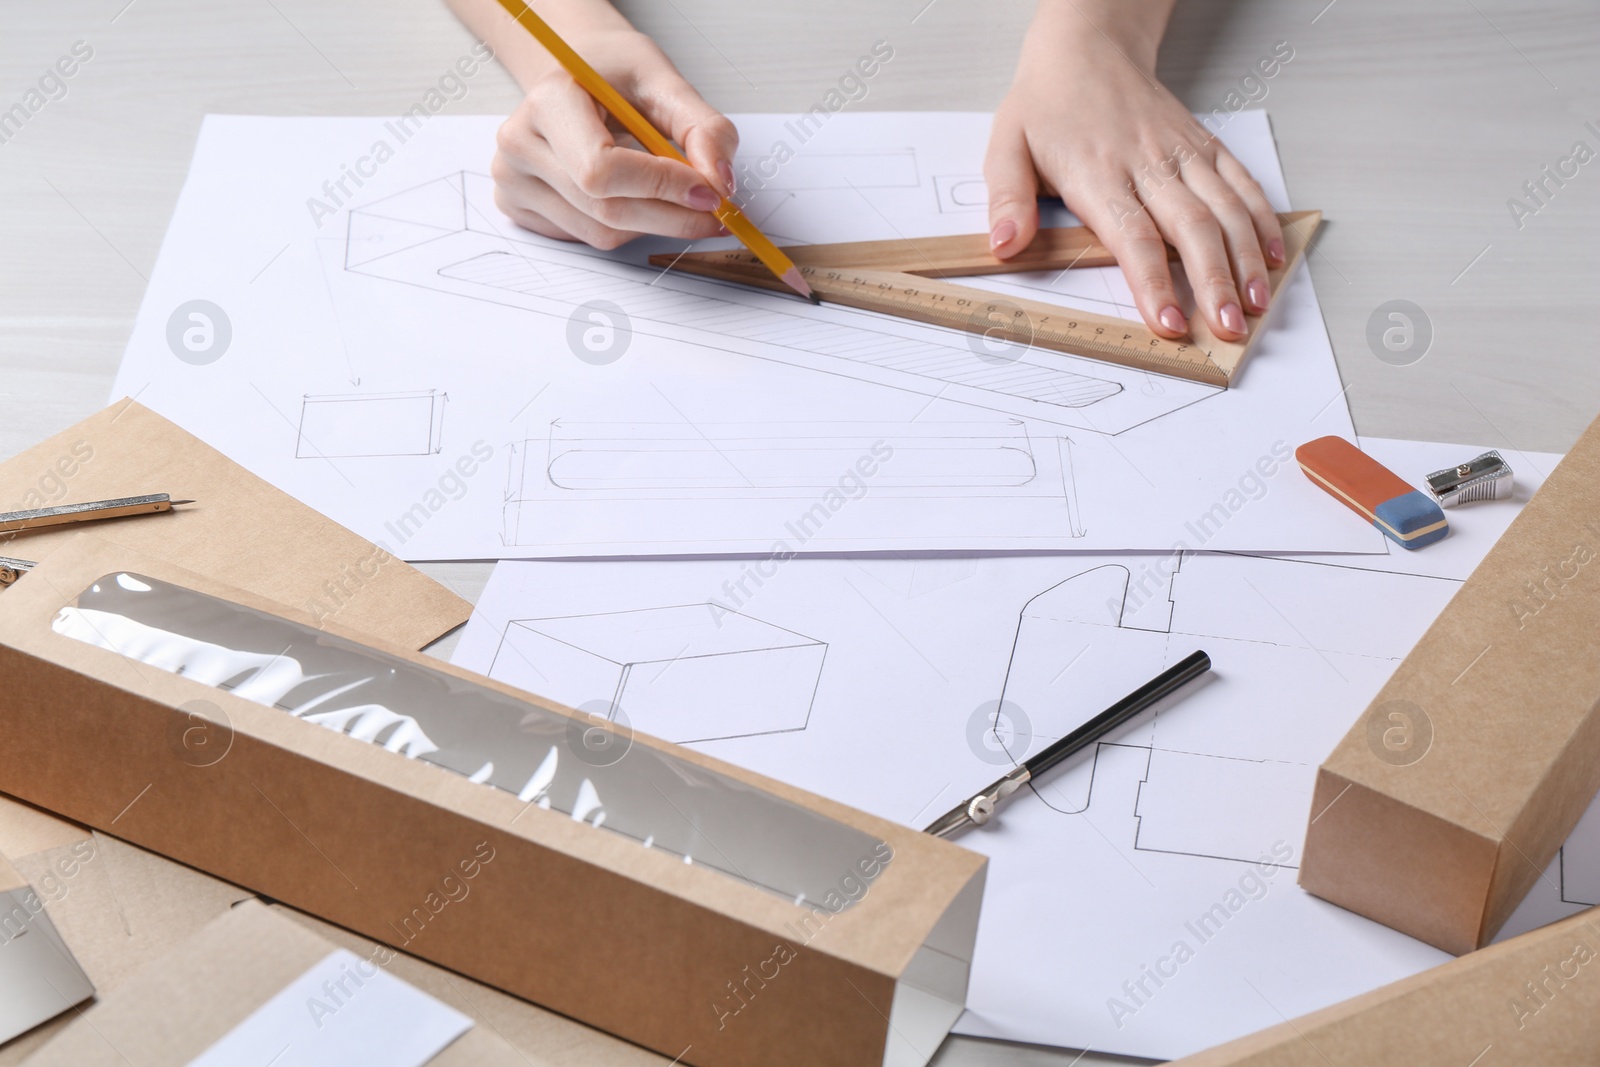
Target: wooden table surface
<point x="1410" y="124"/>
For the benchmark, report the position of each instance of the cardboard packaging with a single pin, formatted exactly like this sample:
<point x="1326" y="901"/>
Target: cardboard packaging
<point x="240" y="530"/>
<point x="187" y="1000"/>
<point x="120" y="908"/>
<point x="716" y="916"/>
<point x="1447" y="799"/>
<point x="1534" y="999"/>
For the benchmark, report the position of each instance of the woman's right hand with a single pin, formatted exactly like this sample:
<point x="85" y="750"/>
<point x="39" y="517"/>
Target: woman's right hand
<point x="565" y="169"/>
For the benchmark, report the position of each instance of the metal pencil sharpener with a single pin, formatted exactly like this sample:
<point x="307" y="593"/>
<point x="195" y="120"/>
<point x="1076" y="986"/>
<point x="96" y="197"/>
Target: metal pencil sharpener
<point x="1487" y="477"/>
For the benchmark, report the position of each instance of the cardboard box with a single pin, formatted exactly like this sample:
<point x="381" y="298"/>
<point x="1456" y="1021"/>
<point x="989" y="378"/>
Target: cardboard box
<point x="240" y="530"/>
<point x="1534" y="999"/>
<point x="252" y="965"/>
<point x="121" y="908"/>
<point x="1452" y="793"/>
<point x="428" y="855"/>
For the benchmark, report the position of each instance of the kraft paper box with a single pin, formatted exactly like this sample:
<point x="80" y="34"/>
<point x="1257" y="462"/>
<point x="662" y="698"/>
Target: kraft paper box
<point x="1447" y="799"/>
<point x="240" y="530"/>
<point x="1534" y="999"/>
<point x="120" y="908"/>
<point x="689" y="906"/>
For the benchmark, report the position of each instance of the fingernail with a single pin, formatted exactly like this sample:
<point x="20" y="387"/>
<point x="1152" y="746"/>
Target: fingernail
<point x="1275" y="250"/>
<point x="1259" y="293"/>
<point x="725" y="172"/>
<point x="1172" y="319"/>
<point x="1232" y="317"/>
<point x="1004" y="231"/>
<point x="701" y="198"/>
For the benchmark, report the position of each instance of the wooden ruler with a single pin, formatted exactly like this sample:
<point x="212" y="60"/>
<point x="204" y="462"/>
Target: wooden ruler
<point x="909" y="279"/>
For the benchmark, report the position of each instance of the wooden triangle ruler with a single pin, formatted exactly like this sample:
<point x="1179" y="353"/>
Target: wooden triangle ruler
<point x="909" y="279"/>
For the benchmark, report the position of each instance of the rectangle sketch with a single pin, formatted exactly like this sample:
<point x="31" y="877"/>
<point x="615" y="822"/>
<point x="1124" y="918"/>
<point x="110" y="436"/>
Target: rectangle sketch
<point x="688" y="672"/>
<point x="366" y="425"/>
<point x="625" y="457"/>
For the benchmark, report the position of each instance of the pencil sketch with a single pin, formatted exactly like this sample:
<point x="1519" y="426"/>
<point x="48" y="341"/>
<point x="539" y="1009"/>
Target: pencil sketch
<point x="368" y="425"/>
<point x="446" y="235"/>
<point x="960" y="192"/>
<point x="680" y="463"/>
<point x="684" y="672"/>
<point x="1199" y="793"/>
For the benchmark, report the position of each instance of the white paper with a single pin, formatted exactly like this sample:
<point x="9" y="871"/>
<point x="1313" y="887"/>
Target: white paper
<point x="342" y="1010"/>
<point x="1120" y="855"/>
<point x="379" y="341"/>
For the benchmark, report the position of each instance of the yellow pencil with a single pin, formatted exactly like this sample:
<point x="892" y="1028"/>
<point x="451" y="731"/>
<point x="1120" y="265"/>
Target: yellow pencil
<point x="727" y="213"/>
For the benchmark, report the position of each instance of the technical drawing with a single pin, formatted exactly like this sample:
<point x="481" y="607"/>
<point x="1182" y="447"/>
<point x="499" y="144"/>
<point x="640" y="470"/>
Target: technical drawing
<point x="961" y="192"/>
<point x="369" y="425"/>
<point x="1083" y="643"/>
<point x="447" y="236"/>
<point x="1069" y="488"/>
<point x="807" y="456"/>
<point x="687" y="672"/>
<point x="1234" y="809"/>
<point x="577" y="461"/>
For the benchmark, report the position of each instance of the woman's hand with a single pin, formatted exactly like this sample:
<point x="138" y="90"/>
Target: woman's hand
<point x="1086" y="118"/>
<point x="563" y="170"/>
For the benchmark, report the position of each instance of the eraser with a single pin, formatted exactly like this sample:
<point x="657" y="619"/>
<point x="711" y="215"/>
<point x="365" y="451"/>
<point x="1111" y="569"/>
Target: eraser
<point x="1406" y="516"/>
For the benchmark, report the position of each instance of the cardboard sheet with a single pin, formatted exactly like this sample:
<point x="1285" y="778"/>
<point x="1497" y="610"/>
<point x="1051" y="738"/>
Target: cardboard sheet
<point x="253" y="987"/>
<point x="117" y="907"/>
<point x="39" y="978"/>
<point x="241" y="530"/>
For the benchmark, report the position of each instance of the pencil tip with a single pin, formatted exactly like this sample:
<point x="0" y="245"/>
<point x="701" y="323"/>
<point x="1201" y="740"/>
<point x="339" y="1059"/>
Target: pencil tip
<point x="794" y="280"/>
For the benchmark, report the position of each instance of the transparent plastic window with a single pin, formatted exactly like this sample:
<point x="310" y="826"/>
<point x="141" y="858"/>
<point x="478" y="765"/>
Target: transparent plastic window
<point x="595" y="775"/>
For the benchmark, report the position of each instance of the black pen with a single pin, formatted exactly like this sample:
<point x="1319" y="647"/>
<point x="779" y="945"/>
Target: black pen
<point x="980" y="808"/>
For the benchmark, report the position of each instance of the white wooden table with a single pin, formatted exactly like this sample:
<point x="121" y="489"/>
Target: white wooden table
<point x="1409" y="124"/>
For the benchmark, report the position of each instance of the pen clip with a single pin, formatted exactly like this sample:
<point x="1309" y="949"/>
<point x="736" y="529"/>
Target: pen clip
<point x="981" y="808"/>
